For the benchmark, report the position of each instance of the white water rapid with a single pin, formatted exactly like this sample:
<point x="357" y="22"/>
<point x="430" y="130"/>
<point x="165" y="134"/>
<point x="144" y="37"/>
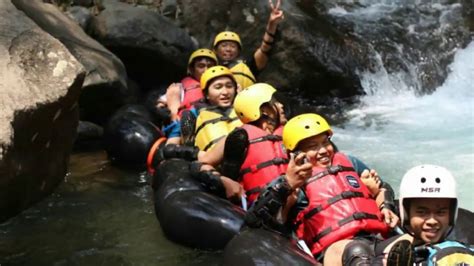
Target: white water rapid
<point x="394" y="130"/>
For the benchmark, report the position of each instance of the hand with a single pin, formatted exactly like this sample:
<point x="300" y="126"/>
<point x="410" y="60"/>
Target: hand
<point x="174" y="86"/>
<point x="276" y="14"/>
<point x="390" y="217"/>
<point x="233" y="189"/>
<point x="298" y="170"/>
<point x="371" y="180"/>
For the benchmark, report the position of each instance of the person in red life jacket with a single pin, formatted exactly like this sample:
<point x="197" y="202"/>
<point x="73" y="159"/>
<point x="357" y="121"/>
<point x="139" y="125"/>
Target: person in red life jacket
<point x="184" y="95"/>
<point x="228" y="47"/>
<point x="323" y="197"/>
<point x="251" y="155"/>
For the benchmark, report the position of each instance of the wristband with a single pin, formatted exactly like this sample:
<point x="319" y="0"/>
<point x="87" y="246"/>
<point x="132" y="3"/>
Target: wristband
<point x="271" y="34"/>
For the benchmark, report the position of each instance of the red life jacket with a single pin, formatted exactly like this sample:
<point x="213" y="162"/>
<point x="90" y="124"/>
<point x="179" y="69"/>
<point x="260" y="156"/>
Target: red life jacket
<point x="339" y="206"/>
<point x="265" y="160"/>
<point x="192" y="94"/>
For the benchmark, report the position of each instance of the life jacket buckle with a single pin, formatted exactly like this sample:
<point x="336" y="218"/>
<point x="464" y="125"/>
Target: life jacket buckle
<point x="278" y="161"/>
<point x="359" y="216"/>
<point x="334" y="169"/>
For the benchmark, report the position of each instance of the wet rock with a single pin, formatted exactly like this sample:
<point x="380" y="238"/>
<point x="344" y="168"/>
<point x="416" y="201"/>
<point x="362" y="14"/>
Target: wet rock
<point x="80" y="15"/>
<point x="41" y="83"/>
<point x="89" y="136"/>
<point x="105" y="88"/>
<point x="152" y="46"/>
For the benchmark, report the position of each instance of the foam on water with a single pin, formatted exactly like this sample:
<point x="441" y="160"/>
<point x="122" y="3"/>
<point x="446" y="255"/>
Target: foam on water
<point x="394" y="130"/>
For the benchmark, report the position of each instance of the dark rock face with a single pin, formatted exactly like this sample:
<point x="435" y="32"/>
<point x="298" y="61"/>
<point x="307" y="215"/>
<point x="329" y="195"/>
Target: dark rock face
<point x="105" y="88"/>
<point x="81" y="16"/>
<point x="152" y="46"/>
<point x="309" y="55"/>
<point x="415" y="42"/>
<point x="41" y="83"/>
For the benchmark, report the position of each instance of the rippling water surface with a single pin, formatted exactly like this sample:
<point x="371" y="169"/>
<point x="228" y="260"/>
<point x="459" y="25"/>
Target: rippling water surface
<point x="100" y="215"/>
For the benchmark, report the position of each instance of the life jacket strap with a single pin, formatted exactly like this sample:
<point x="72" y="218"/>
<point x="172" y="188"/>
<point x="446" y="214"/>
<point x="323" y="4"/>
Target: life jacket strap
<point x="272" y="138"/>
<point x="254" y="168"/>
<point x="253" y="191"/>
<point x="354" y="217"/>
<point x="216" y="120"/>
<point x="321" y="207"/>
<point x="245" y="75"/>
<point x="331" y="170"/>
<point x="212" y="142"/>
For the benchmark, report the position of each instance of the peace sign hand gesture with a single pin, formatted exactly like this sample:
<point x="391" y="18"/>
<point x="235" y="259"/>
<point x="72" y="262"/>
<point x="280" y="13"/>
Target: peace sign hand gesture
<point x="276" y="14"/>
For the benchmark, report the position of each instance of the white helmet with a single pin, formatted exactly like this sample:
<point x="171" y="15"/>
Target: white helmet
<point x="428" y="181"/>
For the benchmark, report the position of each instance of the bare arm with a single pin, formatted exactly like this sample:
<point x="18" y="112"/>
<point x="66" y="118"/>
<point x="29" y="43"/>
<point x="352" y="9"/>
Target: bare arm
<point x="276" y="15"/>
<point x="173" y="97"/>
<point x="214" y="156"/>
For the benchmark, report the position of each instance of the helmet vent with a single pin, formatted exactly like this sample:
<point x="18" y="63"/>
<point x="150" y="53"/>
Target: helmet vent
<point x="438" y="180"/>
<point x="307" y="127"/>
<point x="423" y="180"/>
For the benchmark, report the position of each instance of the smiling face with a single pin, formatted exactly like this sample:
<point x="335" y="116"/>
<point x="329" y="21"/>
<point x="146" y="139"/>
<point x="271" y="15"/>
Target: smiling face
<point x="221" y="91"/>
<point x="227" y="50"/>
<point x="318" y="149"/>
<point x="429" y="219"/>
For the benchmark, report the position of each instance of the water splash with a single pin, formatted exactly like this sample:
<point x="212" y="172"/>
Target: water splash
<point x="394" y="129"/>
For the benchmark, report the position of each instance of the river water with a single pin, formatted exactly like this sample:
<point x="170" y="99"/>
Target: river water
<point x="393" y="129"/>
<point x="100" y="215"/>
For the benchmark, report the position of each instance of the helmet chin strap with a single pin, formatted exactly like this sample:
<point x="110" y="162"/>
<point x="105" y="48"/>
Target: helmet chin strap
<point x="275" y="122"/>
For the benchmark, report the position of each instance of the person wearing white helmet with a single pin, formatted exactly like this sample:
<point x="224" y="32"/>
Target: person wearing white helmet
<point x="428" y="211"/>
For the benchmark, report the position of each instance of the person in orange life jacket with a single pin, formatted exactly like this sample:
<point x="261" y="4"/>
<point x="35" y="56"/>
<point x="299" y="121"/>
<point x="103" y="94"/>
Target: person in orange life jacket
<point x="428" y="210"/>
<point x="323" y="197"/>
<point x="228" y="47"/>
<point x="182" y="96"/>
<point x="251" y="155"/>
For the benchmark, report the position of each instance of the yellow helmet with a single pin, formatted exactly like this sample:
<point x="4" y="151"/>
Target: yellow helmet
<point x="227" y="36"/>
<point x="247" y="102"/>
<point x="214" y="72"/>
<point x="303" y="126"/>
<point x="203" y="52"/>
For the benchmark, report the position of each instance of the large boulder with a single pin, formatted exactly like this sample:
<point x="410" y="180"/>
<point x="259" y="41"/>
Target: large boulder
<point x="154" y="49"/>
<point x="105" y="88"/>
<point x="40" y="85"/>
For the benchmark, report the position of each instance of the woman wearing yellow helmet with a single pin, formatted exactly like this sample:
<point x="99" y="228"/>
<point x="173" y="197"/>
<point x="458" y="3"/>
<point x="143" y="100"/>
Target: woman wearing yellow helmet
<point x="209" y="121"/>
<point x="251" y="155"/>
<point x="183" y="95"/>
<point x="228" y="46"/>
<point x="337" y="212"/>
